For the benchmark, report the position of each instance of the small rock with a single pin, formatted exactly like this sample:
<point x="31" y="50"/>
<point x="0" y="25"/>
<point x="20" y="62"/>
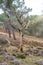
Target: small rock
<point x="4" y="63"/>
<point x="10" y="57"/>
<point x="40" y="62"/>
<point x="4" y="41"/>
<point x="4" y="49"/>
<point x="2" y="52"/>
<point x="40" y="53"/>
<point x="36" y="51"/>
<point x="16" y="62"/>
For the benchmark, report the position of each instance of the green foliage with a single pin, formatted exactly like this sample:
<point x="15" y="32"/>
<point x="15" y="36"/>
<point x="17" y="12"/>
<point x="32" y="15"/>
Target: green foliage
<point x="8" y="3"/>
<point x="36" y="26"/>
<point x="2" y="18"/>
<point x="16" y="9"/>
<point x="1" y="1"/>
<point x="21" y="55"/>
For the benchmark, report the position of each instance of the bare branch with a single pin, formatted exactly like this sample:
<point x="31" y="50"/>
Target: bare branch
<point x="27" y="24"/>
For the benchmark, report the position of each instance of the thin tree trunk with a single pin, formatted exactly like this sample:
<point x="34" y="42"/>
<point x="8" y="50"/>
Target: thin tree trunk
<point x="14" y="35"/>
<point x="9" y="32"/>
<point x="21" y="42"/>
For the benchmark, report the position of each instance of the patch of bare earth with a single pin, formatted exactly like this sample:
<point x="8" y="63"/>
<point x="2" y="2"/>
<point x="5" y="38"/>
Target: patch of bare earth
<point x="30" y="41"/>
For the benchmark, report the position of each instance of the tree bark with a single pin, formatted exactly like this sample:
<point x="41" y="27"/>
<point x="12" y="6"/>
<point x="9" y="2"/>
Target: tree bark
<point x="9" y="32"/>
<point x="14" y="35"/>
<point x="21" y="42"/>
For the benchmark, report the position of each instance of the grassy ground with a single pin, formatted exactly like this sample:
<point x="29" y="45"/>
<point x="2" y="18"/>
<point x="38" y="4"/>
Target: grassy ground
<point x="31" y="60"/>
<point x="27" y="61"/>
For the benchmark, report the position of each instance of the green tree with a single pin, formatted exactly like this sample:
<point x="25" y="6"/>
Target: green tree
<point x="17" y="9"/>
<point x="5" y="8"/>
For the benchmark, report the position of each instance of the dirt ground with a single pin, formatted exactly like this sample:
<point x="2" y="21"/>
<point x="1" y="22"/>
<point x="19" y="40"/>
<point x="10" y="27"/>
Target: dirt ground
<point x="28" y="41"/>
<point x="26" y="37"/>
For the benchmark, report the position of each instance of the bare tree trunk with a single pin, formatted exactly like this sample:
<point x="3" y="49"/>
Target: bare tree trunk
<point x="14" y="35"/>
<point x="21" y="42"/>
<point x="9" y="32"/>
